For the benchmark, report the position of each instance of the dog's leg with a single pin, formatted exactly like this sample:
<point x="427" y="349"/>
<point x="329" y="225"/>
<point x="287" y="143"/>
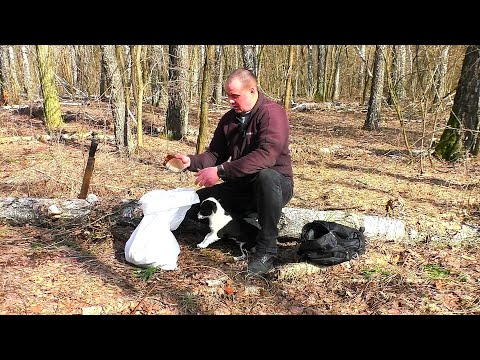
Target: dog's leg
<point x="244" y="253"/>
<point x="209" y="239"/>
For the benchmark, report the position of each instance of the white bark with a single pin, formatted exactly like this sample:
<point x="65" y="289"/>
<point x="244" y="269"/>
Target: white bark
<point x="7" y="83"/>
<point x="336" y="82"/>
<point x="41" y="212"/>
<point x="27" y="78"/>
<point x="13" y="69"/>
<point x="361" y="54"/>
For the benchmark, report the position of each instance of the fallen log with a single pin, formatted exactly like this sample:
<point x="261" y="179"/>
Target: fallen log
<point x="296" y="270"/>
<point x="51" y="212"/>
<point x="89" y="135"/>
<point x="9" y="139"/>
<point x="312" y="106"/>
<point x="44" y="212"/>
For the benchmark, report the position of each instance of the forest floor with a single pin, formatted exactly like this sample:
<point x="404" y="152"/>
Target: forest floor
<point x="337" y="165"/>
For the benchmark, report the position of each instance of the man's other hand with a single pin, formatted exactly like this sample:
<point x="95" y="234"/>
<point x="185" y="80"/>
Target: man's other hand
<point x="207" y="177"/>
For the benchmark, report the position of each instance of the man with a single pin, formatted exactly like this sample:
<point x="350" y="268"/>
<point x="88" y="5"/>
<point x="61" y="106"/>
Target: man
<point x="249" y="151"/>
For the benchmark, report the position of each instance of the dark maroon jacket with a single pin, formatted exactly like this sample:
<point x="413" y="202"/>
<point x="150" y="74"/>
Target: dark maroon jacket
<point x="263" y="144"/>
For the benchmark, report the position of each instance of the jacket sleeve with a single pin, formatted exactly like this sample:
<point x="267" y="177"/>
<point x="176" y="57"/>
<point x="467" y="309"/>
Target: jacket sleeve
<point x="215" y="154"/>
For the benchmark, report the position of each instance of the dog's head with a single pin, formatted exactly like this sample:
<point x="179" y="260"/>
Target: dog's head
<point x="208" y="207"/>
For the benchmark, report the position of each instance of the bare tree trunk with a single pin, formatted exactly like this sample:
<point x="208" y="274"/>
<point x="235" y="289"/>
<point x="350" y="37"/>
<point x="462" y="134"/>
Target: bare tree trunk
<point x="412" y="79"/>
<point x="207" y="72"/>
<point x="331" y="51"/>
<point x="103" y="78"/>
<point x="400" y="51"/>
<point x="126" y="63"/>
<point x="195" y="62"/>
<point x="397" y="74"/>
<point x="137" y="66"/>
<point x="114" y="77"/>
<point x="73" y="81"/>
<point x="259" y="63"/>
<point x="249" y="58"/>
<point x="310" y="77"/>
<point x="336" y="81"/>
<point x="77" y="70"/>
<point x="364" y="72"/>
<point x="361" y="70"/>
<point x="236" y="57"/>
<point x="372" y="122"/>
<point x="27" y="78"/>
<point x="441" y="74"/>
<point x="178" y="106"/>
<point x="200" y="61"/>
<point x="122" y="53"/>
<point x="288" y="88"/>
<point x="3" y="77"/>
<point x="218" y="74"/>
<point x="156" y="78"/>
<point x="417" y="75"/>
<point x="296" y="72"/>
<point x="461" y="134"/>
<point x="13" y="70"/>
<point x="369" y="75"/>
<point x="322" y="55"/>
<point x="51" y="105"/>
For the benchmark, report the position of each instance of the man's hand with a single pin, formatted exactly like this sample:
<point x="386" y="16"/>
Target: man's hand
<point x="207" y="177"/>
<point x="184" y="158"/>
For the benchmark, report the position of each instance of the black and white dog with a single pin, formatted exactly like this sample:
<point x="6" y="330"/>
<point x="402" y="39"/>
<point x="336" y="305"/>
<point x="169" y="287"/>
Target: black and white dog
<point x="224" y="225"/>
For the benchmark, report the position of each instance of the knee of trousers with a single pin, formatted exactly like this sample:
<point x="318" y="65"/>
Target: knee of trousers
<point x="268" y="177"/>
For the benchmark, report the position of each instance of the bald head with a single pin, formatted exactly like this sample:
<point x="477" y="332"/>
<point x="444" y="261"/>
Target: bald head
<point x="241" y="89"/>
<point x="244" y="76"/>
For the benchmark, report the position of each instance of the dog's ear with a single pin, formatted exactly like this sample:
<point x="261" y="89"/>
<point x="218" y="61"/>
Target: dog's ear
<point x="213" y="206"/>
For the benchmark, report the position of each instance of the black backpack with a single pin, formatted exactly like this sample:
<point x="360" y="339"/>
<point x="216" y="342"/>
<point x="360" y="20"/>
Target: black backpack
<point x="330" y="243"/>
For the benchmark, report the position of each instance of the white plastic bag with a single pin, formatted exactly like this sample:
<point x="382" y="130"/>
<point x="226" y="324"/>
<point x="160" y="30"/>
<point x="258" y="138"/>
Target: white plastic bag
<point x="152" y="243"/>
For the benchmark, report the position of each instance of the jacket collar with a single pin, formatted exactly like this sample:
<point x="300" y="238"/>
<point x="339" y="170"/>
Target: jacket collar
<point x="260" y="100"/>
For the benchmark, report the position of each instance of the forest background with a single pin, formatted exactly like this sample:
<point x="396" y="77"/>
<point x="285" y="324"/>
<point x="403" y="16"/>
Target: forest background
<point x="376" y="129"/>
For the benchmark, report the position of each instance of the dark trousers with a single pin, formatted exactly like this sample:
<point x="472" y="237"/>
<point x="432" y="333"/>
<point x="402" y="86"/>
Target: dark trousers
<point x="266" y="194"/>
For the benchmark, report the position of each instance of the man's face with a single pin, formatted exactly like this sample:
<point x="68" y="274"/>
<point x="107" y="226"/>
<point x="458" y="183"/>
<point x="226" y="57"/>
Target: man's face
<point x="240" y="99"/>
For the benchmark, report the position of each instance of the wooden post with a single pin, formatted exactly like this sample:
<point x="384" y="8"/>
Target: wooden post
<point x="88" y="170"/>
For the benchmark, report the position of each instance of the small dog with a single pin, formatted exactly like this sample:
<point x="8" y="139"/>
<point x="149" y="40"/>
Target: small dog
<point x="224" y="225"/>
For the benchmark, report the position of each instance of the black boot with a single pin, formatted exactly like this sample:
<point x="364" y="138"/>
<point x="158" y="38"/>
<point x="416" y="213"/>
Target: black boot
<point x="261" y="264"/>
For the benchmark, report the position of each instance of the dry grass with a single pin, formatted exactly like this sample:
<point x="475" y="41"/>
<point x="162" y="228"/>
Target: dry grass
<point x="336" y="165"/>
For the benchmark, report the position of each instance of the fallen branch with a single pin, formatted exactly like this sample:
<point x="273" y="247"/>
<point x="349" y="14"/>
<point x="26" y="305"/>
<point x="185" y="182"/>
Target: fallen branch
<point x="71" y="103"/>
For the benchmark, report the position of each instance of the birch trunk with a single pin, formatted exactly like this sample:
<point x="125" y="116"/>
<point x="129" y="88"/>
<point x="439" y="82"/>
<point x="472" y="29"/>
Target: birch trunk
<point x="27" y="78"/>
<point x="322" y="53"/>
<point x="61" y="213"/>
